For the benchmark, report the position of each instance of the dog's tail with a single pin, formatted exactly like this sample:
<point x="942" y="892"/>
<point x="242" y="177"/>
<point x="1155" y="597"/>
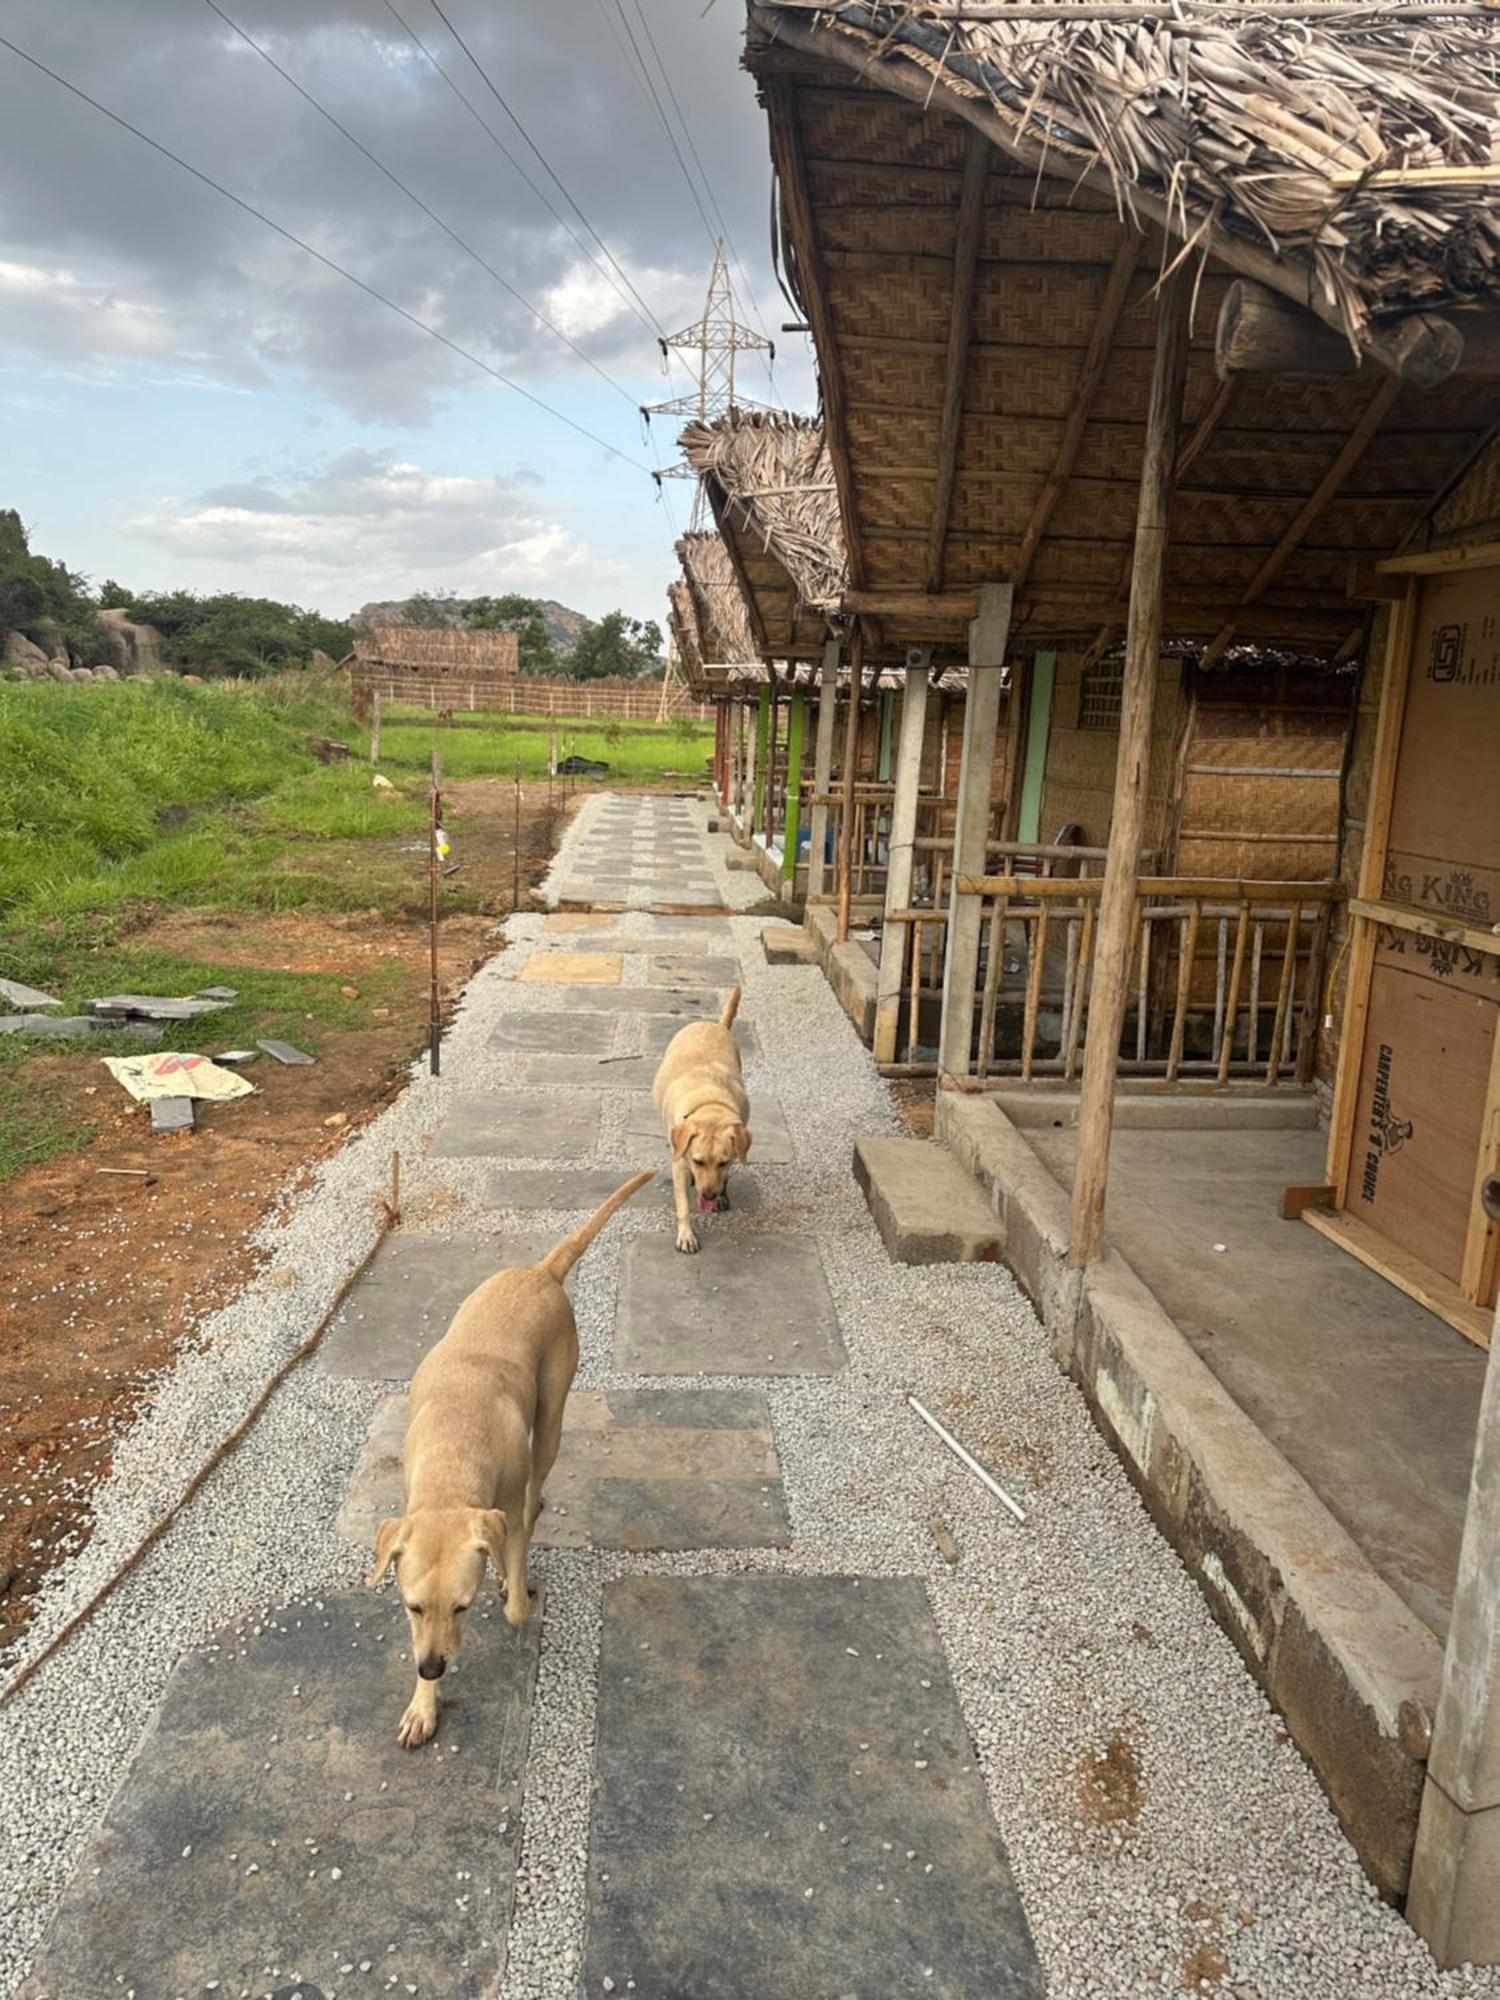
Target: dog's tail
<point x="558" y="1262"/>
<point x="731" y="1008"/>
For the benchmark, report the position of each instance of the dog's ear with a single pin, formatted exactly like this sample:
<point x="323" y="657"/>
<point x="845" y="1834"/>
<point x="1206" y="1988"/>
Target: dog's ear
<point x="488" y="1524"/>
<point x="390" y="1538"/>
<point x="680" y="1137"/>
<point x="742" y="1136"/>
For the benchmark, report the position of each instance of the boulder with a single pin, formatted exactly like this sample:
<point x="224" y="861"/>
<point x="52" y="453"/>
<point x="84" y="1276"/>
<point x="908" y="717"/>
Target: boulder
<point x="20" y="651"/>
<point x="83" y="673"/>
<point x="132" y="648"/>
<point x="59" y="670"/>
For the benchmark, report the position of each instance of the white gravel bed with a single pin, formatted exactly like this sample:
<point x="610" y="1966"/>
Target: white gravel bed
<point x="1078" y="1644"/>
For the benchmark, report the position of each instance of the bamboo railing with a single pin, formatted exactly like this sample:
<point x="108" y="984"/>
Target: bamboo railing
<point x="1225" y="978"/>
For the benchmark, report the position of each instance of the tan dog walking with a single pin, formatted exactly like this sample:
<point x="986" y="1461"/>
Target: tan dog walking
<point x="486" y="1421"/>
<point x="700" y="1093"/>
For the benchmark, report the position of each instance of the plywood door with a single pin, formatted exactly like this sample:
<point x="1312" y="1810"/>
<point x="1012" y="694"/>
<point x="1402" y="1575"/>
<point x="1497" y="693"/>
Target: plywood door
<point x="1420" y="1113"/>
<point x="1443" y="852"/>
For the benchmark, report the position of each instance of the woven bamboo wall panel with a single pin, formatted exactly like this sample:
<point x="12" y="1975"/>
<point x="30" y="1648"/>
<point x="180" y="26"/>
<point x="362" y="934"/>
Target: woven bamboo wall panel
<point x="855" y="128"/>
<point x="890" y="378"/>
<point x="1264" y="749"/>
<point x="1256" y="860"/>
<point x="1256" y="804"/>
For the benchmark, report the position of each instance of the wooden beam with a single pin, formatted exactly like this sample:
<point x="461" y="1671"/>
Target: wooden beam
<point x="1261" y="333"/>
<point x="1132" y="771"/>
<point x="988" y="636"/>
<point x="960" y="326"/>
<point x="1090" y="378"/>
<point x="828" y="694"/>
<point x="1352" y="451"/>
<point x="791" y="174"/>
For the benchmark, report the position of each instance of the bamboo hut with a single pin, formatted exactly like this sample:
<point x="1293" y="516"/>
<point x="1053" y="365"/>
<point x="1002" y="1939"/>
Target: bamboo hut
<point x="1159" y="355"/>
<point x="435" y="653"/>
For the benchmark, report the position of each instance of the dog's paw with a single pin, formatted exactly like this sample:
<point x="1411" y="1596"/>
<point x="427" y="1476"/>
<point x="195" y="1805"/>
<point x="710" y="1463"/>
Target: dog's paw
<point x="687" y="1241"/>
<point x="416" y="1726"/>
<point x="517" y="1614"/>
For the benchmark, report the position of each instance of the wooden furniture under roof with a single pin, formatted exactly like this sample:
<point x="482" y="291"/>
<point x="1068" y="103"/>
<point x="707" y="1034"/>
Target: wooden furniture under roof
<point x="982" y="295"/>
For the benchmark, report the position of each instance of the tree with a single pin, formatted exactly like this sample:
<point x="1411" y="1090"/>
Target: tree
<point x="524" y="617"/>
<point x="617" y="645"/>
<point x="229" y="634"/>
<point x="44" y="599"/>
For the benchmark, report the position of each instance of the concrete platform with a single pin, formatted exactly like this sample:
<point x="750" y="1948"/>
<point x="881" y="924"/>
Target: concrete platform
<point x="751" y="1305"/>
<point x="849" y="970"/>
<point x="403" y="1303"/>
<point x="1330" y="1637"/>
<point x="523" y="1124"/>
<point x="927" y="1208"/>
<point x="639" y="1470"/>
<point x="788" y="1806"/>
<point x="272" y="1836"/>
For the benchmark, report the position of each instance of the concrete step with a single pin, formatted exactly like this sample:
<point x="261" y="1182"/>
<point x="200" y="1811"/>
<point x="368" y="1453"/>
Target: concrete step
<point x="788" y="944"/>
<point x="927" y="1208"/>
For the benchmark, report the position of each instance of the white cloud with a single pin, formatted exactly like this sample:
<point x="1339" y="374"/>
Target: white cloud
<point x="370" y="524"/>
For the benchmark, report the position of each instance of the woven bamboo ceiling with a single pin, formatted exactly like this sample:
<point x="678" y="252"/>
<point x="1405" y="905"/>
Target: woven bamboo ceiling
<point x="984" y="323"/>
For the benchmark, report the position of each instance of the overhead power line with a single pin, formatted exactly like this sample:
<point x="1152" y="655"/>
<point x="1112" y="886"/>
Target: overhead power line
<point x="708" y="186"/>
<point x="329" y="263"/>
<point x="655" y="97"/>
<point x="468" y="249"/>
<point x="485" y="78"/>
<point x="642" y="311"/>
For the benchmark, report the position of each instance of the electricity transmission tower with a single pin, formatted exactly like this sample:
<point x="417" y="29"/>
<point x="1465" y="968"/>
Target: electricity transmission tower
<point x="717" y="341"/>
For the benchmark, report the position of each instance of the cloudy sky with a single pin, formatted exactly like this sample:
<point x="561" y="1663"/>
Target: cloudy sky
<point x="188" y="398"/>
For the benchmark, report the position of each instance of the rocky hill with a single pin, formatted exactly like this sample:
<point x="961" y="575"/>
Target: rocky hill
<point x="564" y="625"/>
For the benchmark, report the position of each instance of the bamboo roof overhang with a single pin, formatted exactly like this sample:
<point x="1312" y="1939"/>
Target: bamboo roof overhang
<point x="720" y="618"/>
<point x="770" y="484"/>
<point x="980" y="290"/>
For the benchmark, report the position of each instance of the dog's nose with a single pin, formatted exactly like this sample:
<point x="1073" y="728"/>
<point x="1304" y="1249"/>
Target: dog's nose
<point x="433" y="1667"/>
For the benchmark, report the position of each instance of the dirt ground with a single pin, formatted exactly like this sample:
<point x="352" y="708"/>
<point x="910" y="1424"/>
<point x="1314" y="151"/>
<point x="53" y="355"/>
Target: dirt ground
<point x="104" y="1273"/>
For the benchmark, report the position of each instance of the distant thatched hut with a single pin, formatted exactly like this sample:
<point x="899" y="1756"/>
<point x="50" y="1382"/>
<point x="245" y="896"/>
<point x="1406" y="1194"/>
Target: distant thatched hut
<point x="425" y="653"/>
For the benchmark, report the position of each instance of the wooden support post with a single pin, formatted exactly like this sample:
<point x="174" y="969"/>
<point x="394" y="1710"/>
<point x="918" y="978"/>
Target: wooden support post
<point x="976" y="781"/>
<point x="1132" y="771"/>
<point x="795" y="727"/>
<point x="375" y="727"/>
<point x="900" y="853"/>
<point x="758" y="760"/>
<point x="847" y="777"/>
<point x="828" y="696"/>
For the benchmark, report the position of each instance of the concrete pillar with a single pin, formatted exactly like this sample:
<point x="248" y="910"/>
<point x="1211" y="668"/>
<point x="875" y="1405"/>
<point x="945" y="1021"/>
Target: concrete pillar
<point x="828" y="701"/>
<point x="976" y="781"/>
<point x="900" y="853"/>
<point x="757" y="763"/>
<point x="1454" y="1899"/>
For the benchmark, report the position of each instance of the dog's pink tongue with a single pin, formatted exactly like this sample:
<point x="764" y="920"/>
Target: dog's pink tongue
<point x="706" y="1204"/>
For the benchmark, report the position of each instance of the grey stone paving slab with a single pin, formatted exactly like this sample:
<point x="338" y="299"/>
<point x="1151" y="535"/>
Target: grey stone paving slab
<point x="172" y="1114"/>
<point x="693" y="1469"/>
<point x="556" y="1034"/>
<point x="530" y="1124"/>
<point x="684" y="1003"/>
<point x="584" y="1188"/>
<point x="660" y="1031"/>
<point x="403" y="1303"/>
<point x="771" y="1141"/>
<point x="688" y="969"/>
<point x="18" y="994"/>
<point x="587" y="1072"/>
<point x="770" y="1751"/>
<point x="747" y="1305"/>
<point x="76" y="1027"/>
<point x="273" y="1837"/>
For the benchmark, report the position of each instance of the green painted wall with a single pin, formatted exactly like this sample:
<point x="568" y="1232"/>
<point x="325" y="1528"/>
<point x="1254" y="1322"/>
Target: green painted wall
<point x="1038" y="723"/>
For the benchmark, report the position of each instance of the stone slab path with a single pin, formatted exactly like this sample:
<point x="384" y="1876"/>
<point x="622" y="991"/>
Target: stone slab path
<point x="762" y="1739"/>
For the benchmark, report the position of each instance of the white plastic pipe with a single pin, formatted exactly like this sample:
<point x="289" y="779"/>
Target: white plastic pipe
<point x="968" y="1458"/>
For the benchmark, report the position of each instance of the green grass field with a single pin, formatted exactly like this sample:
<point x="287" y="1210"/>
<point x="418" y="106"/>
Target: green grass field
<point x="122" y="800"/>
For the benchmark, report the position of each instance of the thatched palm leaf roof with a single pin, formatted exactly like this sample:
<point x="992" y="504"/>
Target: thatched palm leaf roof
<point x="771" y="485"/>
<point x="1327" y="136"/>
<point x="720" y="618"/>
